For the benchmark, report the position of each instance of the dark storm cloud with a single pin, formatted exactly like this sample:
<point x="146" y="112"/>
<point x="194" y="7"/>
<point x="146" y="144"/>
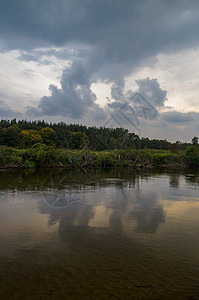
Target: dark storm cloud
<point x="122" y="30"/>
<point x="178" y="117"/>
<point x="151" y="90"/>
<point x="38" y="55"/>
<point x="142" y="102"/>
<point x="116" y="38"/>
<point x="75" y="96"/>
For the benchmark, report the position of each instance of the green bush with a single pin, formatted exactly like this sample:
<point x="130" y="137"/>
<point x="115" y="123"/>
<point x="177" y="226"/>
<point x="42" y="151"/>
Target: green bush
<point x="41" y="154"/>
<point x="29" y="164"/>
<point x="192" y="155"/>
<point x="63" y="157"/>
<point x="105" y="159"/>
<point x="16" y="160"/>
<point x="165" y="158"/>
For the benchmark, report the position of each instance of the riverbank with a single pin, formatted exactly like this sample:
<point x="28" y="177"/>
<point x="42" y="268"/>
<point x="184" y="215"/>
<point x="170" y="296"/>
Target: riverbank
<point x="46" y="156"/>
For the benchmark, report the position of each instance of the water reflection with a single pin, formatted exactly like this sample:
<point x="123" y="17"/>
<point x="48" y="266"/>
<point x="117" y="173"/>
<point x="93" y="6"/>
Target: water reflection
<point x="174" y="180"/>
<point x="114" y="208"/>
<point x="69" y="234"/>
<point x="128" y="197"/>
<point x="148" y="217"/>
<point x="192" y="180"/>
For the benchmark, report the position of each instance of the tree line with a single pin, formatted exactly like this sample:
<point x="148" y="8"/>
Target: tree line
<point x="24" y="134"/>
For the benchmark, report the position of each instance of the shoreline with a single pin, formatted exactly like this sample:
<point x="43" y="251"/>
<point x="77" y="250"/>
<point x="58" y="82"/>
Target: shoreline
<point x="169" y="165"/>
<point x="47" y="156"/>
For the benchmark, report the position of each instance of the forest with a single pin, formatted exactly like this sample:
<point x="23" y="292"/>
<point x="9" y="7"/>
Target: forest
<point x="26" y="144"/>
<point x="23" y="134"/>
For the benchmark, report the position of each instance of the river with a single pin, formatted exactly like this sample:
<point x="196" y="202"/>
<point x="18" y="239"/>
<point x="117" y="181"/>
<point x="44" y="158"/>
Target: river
<point x="99" y="234"/>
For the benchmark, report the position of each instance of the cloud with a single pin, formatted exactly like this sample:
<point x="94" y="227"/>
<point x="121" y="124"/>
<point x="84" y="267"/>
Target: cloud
<point x="40" y="55"/>
<point x="5" y="110"/>
<point x="121" y="35"/>
<point x="33" y="112"/>
<point x="140" y="103"/>
<point x="104" y="41"/>
<point x="150" y="89"/>
<point x="74" y="98"/>
<point x="178" y="117"/>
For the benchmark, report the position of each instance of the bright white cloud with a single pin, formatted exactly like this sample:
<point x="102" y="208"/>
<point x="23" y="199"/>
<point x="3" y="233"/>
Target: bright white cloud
<point x="25" y="82"/>
<point x="177" y="73"/>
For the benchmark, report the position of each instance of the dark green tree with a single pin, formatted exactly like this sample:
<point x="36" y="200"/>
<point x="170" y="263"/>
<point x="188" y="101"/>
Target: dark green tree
<point x="194" y="141"/>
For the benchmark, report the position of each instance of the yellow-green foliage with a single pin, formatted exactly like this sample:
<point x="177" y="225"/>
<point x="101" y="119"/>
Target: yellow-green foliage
<point x="28" y="138"/>
<point x="48" y="135"/>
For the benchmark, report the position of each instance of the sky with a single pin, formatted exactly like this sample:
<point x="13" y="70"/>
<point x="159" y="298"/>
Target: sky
<point x="114" y="63"/>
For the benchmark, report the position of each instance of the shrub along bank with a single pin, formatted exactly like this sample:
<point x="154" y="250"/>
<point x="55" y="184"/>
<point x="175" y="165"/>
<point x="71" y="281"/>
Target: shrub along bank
<point x="41" y="155"/>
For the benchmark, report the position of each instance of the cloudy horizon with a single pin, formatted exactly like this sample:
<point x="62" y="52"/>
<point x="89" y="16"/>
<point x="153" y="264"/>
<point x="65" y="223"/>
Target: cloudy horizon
<point x="85" y="62"/>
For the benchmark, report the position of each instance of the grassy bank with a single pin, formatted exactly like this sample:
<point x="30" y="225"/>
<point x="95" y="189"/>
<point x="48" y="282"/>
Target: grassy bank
<point x="46" y="156"/>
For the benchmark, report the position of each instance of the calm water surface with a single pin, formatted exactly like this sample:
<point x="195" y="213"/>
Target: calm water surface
<point x="114" y="234"/>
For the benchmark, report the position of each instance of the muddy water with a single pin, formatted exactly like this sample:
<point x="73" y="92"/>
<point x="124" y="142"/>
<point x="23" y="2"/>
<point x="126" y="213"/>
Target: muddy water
<point x="114" y="234"/>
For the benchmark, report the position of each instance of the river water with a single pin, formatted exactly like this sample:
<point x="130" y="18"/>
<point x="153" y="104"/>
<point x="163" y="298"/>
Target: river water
<point x="111" y="234"/>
